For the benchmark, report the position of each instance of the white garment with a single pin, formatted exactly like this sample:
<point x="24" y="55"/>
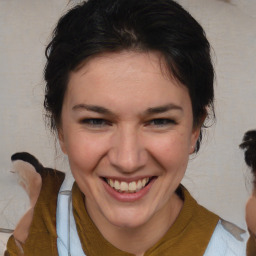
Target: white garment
<point x="222" y="242"/>
<point x="68" y="241"/>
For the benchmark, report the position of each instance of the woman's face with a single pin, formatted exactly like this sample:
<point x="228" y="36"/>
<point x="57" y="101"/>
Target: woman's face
<point x="127" y="129"/>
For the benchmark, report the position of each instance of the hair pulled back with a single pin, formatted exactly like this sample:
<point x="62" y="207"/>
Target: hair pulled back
<point x="100" y="26"/>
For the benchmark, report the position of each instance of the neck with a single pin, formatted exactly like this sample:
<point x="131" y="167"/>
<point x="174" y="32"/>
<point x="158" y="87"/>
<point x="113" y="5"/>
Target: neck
<point x="139" y="239"/>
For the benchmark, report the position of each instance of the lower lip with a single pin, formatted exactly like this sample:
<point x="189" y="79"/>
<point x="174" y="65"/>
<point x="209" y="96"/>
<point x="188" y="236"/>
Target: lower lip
<point x="128" y="197"/>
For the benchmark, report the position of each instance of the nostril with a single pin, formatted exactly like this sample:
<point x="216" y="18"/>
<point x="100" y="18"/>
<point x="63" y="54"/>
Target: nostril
<point x="127" y="151"/>
<point x="127" y="162"/>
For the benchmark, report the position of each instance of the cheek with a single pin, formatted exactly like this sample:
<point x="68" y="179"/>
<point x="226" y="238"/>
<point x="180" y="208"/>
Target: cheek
<point x="172" y="150"/>
<point x="250" y="213"/>
<point x="84" y="152"/>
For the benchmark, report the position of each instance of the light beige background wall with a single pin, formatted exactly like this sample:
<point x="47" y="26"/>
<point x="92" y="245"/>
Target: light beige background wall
<point x="216" y="177"/>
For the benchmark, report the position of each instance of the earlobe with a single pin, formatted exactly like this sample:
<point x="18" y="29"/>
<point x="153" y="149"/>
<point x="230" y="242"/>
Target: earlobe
<point x="194" y="138"/>
<point x="192" y="150"/>
<point x="196" y="133"/>
<point x="61" y="141"/>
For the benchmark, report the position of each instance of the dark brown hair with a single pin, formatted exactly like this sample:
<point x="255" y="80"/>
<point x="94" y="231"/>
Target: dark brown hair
<point x="98" y="26"/>
<point x="249" y="147"/>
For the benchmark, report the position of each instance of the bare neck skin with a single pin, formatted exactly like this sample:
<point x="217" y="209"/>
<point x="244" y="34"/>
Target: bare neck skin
<point x="139" y="239"/>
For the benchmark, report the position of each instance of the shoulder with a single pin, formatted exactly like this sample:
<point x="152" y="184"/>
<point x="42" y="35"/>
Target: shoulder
<point x="200" y="217"/>
<point x="227" y="240"/>
<point x="220" y="237"/>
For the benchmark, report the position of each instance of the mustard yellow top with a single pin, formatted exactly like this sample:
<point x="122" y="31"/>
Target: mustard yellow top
<point x="42" y="239"/>
<point x="189" y="235"/>
<point x="251" y="245"/>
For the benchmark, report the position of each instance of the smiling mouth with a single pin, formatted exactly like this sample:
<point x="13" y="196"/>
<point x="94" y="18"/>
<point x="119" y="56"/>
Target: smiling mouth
<point x="128" y="187"/>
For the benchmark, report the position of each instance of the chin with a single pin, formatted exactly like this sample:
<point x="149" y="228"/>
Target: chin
<point x="130" y="219"/>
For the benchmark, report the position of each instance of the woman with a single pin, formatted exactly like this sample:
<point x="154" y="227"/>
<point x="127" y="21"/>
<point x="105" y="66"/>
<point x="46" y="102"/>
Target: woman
<point x="129" y="85"/>
<point x="249" y="145"/>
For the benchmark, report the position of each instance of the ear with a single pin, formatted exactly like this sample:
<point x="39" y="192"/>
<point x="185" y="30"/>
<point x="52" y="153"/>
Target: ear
<point x="195" y="134"/>
<point x="62" y="141"/>
<point x="194" y="138"/>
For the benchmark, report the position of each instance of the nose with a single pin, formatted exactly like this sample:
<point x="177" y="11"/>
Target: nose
<point x="128" y="153"/>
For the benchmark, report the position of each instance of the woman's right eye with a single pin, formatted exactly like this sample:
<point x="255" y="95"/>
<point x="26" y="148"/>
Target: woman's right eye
<point x="95" y="122"/>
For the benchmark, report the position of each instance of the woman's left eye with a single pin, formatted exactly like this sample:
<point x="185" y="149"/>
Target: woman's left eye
<point x="161" y="122"/>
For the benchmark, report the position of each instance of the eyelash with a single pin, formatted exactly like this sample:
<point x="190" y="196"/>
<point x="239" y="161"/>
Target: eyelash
<point x="95" y="122"/>
<point x="99" y="122"/>
<point x="161" y="122"/>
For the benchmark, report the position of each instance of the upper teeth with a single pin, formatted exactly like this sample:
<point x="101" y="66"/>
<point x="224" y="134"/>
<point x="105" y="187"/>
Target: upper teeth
<point x="131" y="187"/>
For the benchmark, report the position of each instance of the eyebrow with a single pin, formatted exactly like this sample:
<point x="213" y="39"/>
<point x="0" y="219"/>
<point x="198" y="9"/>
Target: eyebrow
<point x="93" y="108"/>
<point x="149" y="111"/>
<point x="163" y="109"/>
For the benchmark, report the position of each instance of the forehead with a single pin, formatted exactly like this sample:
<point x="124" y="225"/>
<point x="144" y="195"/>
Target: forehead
<point x="125" y="77"/>
<point x="125" y="62"/>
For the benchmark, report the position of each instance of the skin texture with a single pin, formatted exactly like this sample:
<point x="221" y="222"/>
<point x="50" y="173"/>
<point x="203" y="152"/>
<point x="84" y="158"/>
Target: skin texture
<point x="123" y="138"/>
<point x="250" y="212"/>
